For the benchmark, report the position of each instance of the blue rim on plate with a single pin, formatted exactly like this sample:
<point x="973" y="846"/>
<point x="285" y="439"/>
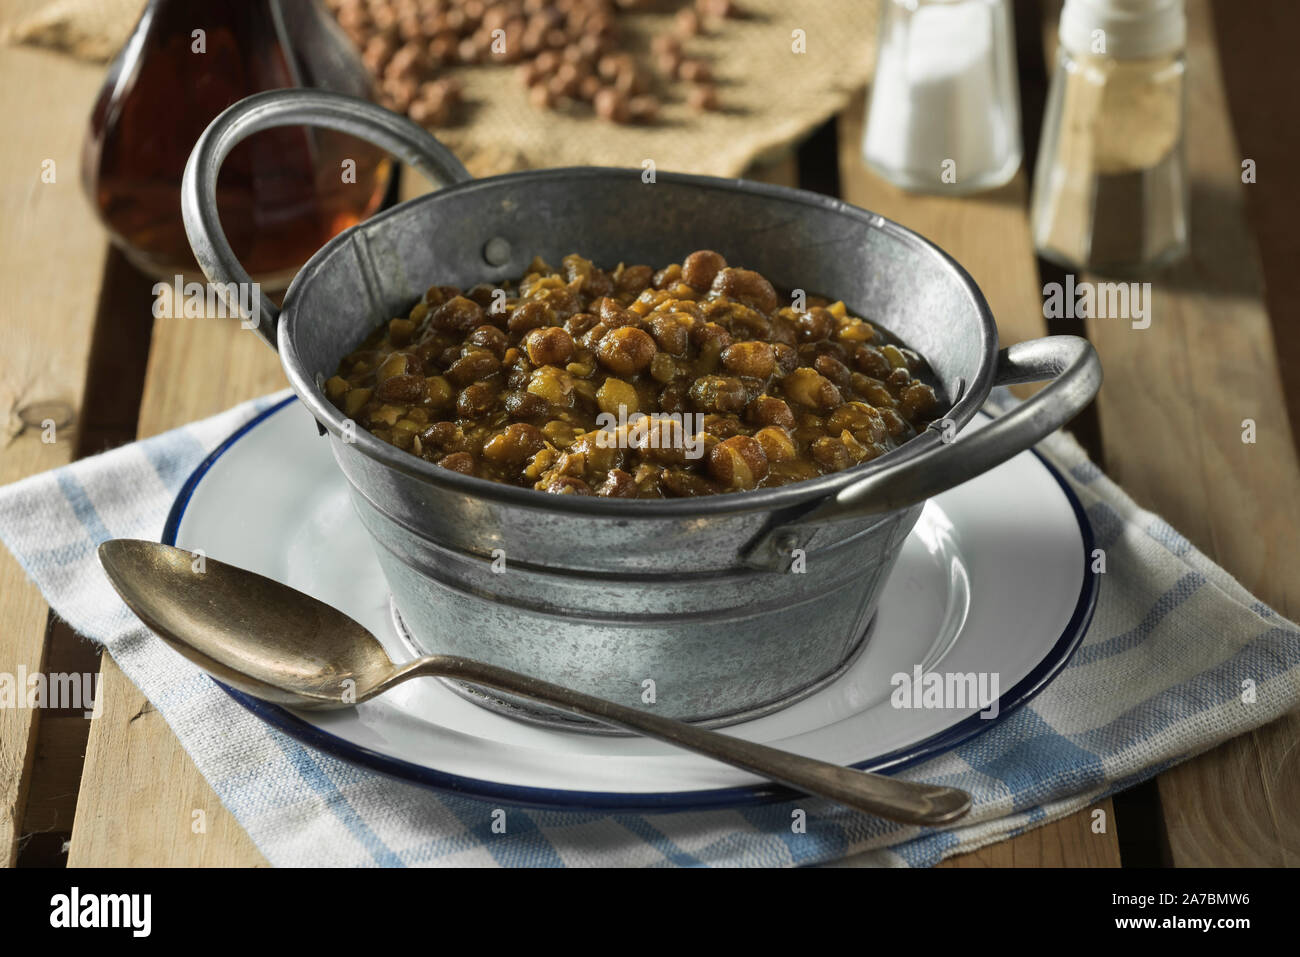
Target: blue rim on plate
<point x="639" y="802"/>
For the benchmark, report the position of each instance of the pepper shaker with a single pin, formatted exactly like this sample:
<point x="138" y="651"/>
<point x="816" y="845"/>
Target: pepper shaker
<point x="1110" y="191"/>
<point x="944" y="114"/>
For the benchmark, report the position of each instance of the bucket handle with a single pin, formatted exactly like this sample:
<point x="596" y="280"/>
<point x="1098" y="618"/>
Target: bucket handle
<point x="1069" y="361"/>
<point x="405" y="140"/>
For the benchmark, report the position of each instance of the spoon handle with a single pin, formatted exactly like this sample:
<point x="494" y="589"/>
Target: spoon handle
<point x="907" y="802"/>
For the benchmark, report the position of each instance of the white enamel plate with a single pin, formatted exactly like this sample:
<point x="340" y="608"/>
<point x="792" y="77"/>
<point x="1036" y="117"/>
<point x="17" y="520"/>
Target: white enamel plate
<point x="994" y="579"/>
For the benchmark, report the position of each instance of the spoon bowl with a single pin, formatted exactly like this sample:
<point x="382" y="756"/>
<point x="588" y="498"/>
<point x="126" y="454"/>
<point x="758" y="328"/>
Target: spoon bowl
<point x="220" y="616"/>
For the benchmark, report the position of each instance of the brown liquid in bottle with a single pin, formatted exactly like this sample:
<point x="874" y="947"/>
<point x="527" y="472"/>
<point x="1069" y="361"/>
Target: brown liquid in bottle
<point x="282" y="192"/>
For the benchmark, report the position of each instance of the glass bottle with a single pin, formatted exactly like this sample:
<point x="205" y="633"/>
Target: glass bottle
<point x="944" y="115"/>
<point x="282" y="192"/>
<point x="1110" y="189"/>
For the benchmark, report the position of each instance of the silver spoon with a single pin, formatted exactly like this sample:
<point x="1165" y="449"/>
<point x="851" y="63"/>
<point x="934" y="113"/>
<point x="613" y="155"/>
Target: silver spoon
<point x="275" y="643"/>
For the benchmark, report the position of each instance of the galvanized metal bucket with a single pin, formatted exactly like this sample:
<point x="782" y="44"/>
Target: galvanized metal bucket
<point x="690" y="607"/>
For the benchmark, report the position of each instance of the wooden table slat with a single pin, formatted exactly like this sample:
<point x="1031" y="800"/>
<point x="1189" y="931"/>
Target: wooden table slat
<point x="989" y="236"/>
<point x="52" y="252"/>
<point x="139" y="788"/>
<point x="1172" y="424"/>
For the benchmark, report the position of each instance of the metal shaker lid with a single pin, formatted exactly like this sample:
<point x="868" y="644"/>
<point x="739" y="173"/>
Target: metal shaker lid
<point x="1125" y="29"/>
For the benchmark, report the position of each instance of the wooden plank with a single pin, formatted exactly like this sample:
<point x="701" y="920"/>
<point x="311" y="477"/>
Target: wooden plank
<point x="989" y="235"/>
<point x="139" y="788"/>
<point x="52" y="252"/>
<point x="119" y="352"/>
<point x="1171" y="413"/>
<point x="1255" y="54"/>
<point x="57" y="760"/>
<point x="141" y="794"/>
<point x="1068" y="842"/>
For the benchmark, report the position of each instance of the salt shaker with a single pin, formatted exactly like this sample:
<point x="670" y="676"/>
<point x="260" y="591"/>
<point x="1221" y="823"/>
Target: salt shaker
<point x="944" y="115"/>
<point x="1110" y="191"/>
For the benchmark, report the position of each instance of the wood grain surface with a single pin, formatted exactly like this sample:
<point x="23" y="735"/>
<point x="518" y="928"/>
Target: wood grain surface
<point x="1172" y="417"/>
<point x="989" y="236"/>
<point x="139" y="788"/>
<point x="52" y="251"/>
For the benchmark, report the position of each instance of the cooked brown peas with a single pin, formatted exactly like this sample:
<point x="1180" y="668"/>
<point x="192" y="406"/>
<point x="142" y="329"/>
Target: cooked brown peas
<point x="811" y="388"/>
<point x="401" y="388"/>
<point x="469" y="368"/>
<point x="716" y="393"/>
<point x="751" y="358"/>
<point x="461" y="462"/>
<point x="700" y="268"/>
<point x="738" y="462"/>
<point x="815" y="325"/>
<point x="626" y="350"/>
<point x="549" y="346"/>
<point x="747" y="286"/>
<point x="766" y="410"/>
<point x="490" y="338"/>
<point x="512" y="390"/>
<point x="458" y="314"/>
<point x="515" y="445"/>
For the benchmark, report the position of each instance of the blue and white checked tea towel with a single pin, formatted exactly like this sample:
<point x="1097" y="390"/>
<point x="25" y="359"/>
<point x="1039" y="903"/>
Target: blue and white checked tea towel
<point x="1158" y="678"/>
